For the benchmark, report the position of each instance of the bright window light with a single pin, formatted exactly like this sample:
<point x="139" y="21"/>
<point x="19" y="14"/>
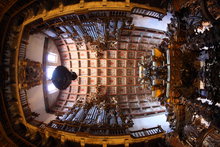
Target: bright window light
<point x="51" y="57"/>
<point x="50" y="70"/>
<point x="51" y="88"/>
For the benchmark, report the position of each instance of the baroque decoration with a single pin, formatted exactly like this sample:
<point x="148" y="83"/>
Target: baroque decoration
<point x="31" y="73"/>
<point x="125" y="73"/>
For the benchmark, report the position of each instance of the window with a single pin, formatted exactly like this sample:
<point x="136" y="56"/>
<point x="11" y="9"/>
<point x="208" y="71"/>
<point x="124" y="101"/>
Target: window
<point x="51" y="88"/>
<point x="50" y="70"/>
<point x="51" y="57"/>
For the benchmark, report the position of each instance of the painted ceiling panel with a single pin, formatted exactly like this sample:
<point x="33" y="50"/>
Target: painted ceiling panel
<point x="65" y="56"/>
<point x="74" y="89"/>
<point x="72" y="97"/>
<point x="92" y="89"/>
<point x="63" y="48"/>
<point x="72" y="47"/>
<point x="133" y="46"/>
<point x="63" y="96"/>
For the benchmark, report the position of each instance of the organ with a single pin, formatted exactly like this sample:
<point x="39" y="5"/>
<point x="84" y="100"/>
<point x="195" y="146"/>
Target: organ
<point x="102" y="114"/>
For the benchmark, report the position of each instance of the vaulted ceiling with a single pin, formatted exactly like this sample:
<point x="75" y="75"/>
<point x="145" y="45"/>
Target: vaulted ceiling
<point x="111" y="70"/>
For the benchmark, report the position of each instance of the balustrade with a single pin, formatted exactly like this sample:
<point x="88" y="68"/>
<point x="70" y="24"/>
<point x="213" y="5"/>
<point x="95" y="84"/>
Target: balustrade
<point x="147" y="132"/>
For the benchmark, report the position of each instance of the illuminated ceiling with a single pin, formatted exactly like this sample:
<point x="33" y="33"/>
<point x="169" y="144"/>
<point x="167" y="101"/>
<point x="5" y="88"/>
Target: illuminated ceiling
<point x="112" y="71"/>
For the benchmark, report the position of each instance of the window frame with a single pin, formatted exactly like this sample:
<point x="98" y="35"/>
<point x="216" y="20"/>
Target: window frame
<point x="53" y="88"/>
<point x="47" y="68"/>
<point x="52" y="54"/>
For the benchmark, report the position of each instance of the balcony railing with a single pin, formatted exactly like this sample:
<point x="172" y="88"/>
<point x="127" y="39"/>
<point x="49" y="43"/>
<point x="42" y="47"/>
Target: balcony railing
<point x="106" y="131"/>
<point x="147" y="132"/>
<point x="149" y="13"/>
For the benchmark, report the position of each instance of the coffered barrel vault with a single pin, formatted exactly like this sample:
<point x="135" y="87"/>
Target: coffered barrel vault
<point x="115" y="70"/>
